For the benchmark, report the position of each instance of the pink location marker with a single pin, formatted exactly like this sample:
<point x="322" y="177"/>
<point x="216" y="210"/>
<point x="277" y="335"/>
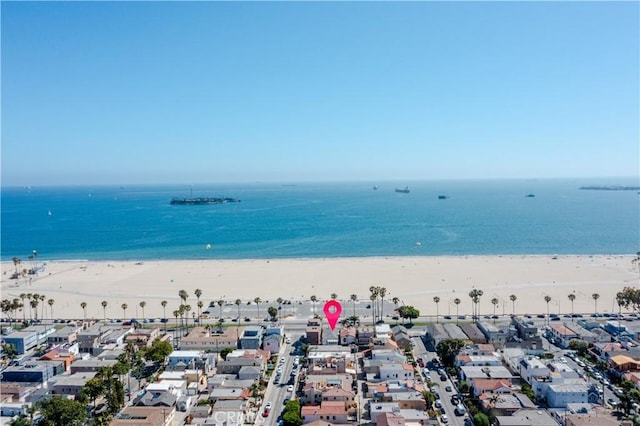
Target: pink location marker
<point x="332" y="310"/>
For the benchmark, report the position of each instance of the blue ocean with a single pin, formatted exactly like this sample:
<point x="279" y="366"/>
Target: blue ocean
<point x="311" y="220"/>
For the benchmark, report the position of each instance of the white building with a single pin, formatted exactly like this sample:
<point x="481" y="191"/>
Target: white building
<point x="561" y="394"/>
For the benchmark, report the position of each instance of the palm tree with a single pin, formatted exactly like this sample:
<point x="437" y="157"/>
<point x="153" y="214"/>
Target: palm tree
<point x="198" y="293"/>
<point x="200" y="305"/>
<point x="513" y="299"/>
<point x="279" y="300"/>
<point x="457" y="302"/>
<point x="187" y="308"/>
<point x="353" y="298"/>
<point x="42" y="299"/>
<point x="436" y="299"/>
<point x="182" y="294"/>
<point x="176" y="314"/>
<point x="104" y="309"/>
<point x="164" y="314"/>
<point x="164" y="309"/>
<point x="124" y="307"/>
<point x="572" y="297"/>
<point x="257" y="301"/>
<point x="50" y="302"/>
<point x="142" y="305"/>
<point x="34" y="306"/>
<point x="395" y="301"/>
<point x="83" y="305"/>
<point x="620" y="301"/>
<point x="494" y="302"/>
<point x="16" y="262"/>
<point x="475" y="296"/>
<point x="238" y="302"/>
<point x="382" y="291"/>
<point x="373" y="297"/>
<point x="547" y="299"/>
<point x="29" y="297"/>
<point x="595" y="297"/>
<point x="23" y="296"/>
<point x="314" y="299"/>
<point x="220" y="303"/>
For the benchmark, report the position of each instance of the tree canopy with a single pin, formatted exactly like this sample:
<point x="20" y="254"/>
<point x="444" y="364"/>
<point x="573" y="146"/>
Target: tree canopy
<point x="408" y="312"/>
<point x="158" y="351"/>
<point x="291" y="414"/>
<point x="448" y="350"/>
<point x="58" y="411"/>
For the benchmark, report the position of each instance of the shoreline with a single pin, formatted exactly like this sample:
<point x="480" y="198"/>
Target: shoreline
<point x="415" y="280"/>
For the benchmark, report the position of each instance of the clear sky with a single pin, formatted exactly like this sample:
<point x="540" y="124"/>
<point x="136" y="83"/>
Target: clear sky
<point x="205" y="92"/>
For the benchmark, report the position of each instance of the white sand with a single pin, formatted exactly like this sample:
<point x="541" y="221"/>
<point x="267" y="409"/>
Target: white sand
<point x="414" y="280"/>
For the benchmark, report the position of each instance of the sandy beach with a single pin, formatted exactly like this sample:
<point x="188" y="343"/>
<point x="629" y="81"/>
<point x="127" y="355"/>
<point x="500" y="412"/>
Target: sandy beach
<point x="414" y="280"/>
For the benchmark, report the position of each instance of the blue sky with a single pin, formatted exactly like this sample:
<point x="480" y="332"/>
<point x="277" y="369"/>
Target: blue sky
<point x="121" y="92"/>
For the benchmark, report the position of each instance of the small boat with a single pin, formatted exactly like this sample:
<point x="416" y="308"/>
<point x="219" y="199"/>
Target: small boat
<point x="375" y="188"/>
<point x="530" y="195"/>
<point x="442" y="197"/>
<point x="403" y="191"/>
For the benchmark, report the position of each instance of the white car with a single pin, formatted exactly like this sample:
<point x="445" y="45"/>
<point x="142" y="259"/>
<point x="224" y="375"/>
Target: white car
<point x="268" y="405"/>
<point x="444" y="419"/>
<point x="290" y="388"/>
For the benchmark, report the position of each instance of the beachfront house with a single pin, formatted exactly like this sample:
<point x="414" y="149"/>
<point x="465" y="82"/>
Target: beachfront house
<point x="202" y="339"/>
<point x="272" y="343"/>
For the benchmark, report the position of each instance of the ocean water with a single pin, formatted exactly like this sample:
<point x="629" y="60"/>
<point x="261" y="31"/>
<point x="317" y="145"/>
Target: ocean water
<point x="484" y="217"/>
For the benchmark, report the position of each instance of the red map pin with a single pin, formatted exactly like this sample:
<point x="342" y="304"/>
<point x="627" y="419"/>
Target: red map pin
<point x="332" y="310"/>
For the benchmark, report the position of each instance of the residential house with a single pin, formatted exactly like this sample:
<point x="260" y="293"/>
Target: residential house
<point x="470" y="373"/>
<point x="271" y="343"/>
<point x="624" y="363"/>
<point x="33" y="371"/>
<point x="530" y="368"/>
<point x="143" y="337"/>
<point x="527" y="417"/>
<point x="473" y="333"/>
<point x="348" y="335"/>
<point x="63" y="336"/>
<point x="401" y="337"/>
<point x="251" y="337"/>
<point x="314" y="331"/>
<point x="526" y="329"/>
<point x="331" y="411"/>
<point x="398" y="371"/>
<point x="455" y="332"/>
<point x="562" y="335"/>
<point x="365" y="336"/>
<point x="496" y="336"/>
<point x="69" y="384"/>
<point x="91" y="365"/>
<point x="494" y="386"/>
<point x="144" y="416"/>
<point x="67" y="358"/>
<point x="505" y="404"/>
<point x="243" y="358"/>
<point x="561" y="394"/>
<point x="201" y="339"/>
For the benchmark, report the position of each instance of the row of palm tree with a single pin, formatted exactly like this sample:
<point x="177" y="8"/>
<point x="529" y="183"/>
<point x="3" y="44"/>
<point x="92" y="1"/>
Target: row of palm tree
<point x="476" y="294"/>
<point x="377" y="295"/>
